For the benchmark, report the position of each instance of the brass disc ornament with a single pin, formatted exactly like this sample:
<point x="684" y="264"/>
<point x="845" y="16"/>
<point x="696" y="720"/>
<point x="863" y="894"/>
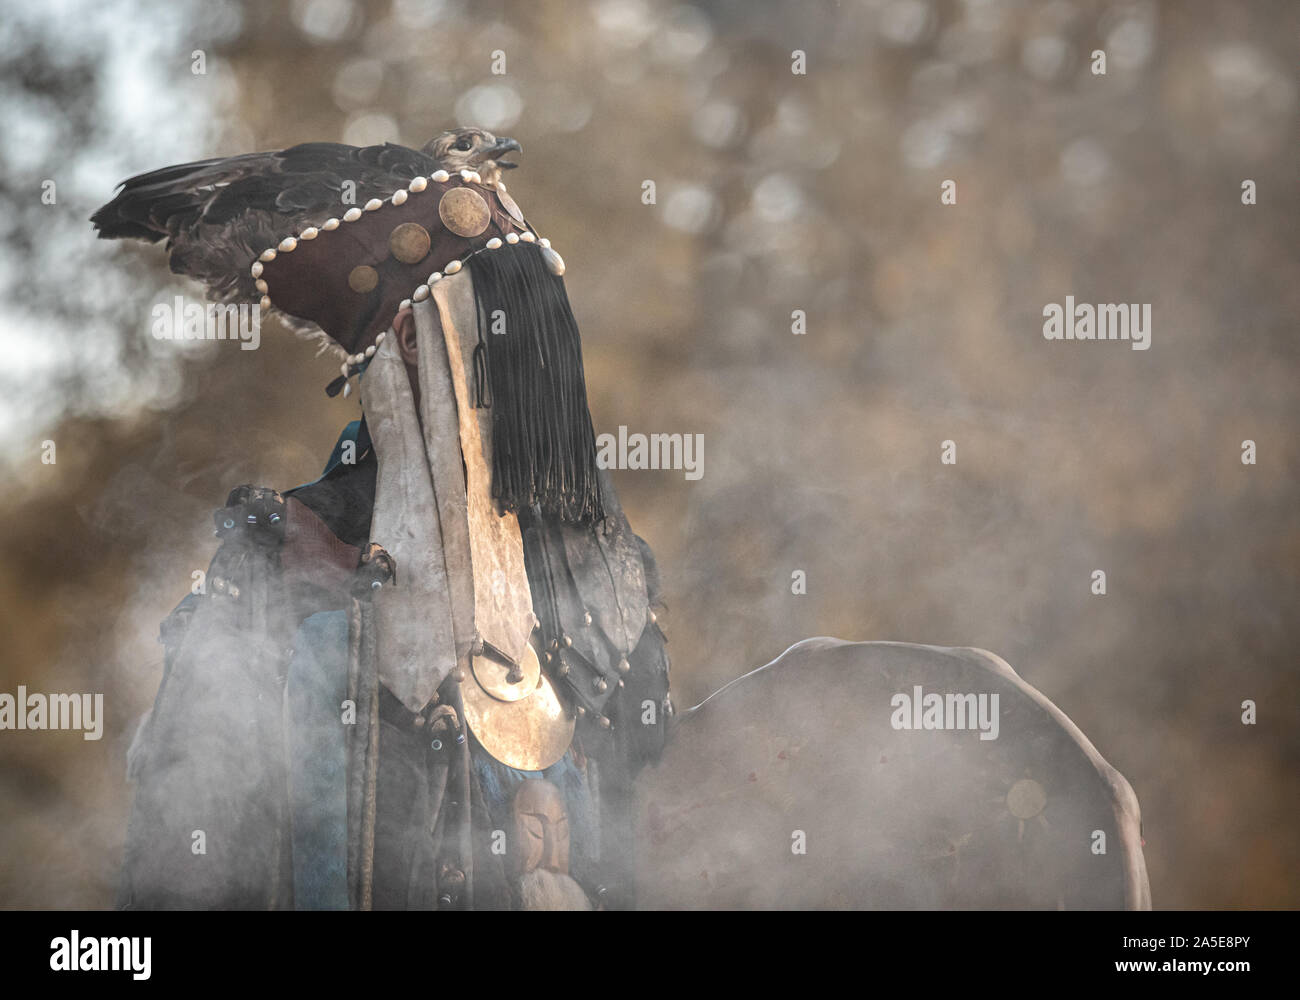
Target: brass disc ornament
<point x="464" y="211"/>
<point x="530" y="733"/>
<point x="493" y="676"/>
<point x="409" y="242"/>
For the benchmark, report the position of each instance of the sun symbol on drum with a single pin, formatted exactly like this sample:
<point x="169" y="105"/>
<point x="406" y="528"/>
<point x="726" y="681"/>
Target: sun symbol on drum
<point x="1025" y="800"/>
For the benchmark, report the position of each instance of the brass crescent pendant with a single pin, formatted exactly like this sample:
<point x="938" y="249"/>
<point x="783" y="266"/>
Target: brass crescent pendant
<point x="530" y="733"/>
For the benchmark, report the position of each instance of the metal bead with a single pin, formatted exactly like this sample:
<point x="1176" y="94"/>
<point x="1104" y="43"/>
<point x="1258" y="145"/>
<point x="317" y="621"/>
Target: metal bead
<point x="568" y="641"/>
<point x="624" y="666"/>
<point x="399" y="197"/>
<point x="494" y="243"/>
<point x="267" y="255"/>
<point x="256" y="269"/>
<point x="440" y="176"/>
<point x="233" y="592"/>
<point x="418" y="184"/>
<point x="586" y="618"/>
<point x="562" y="669"/>
<point x="452" y="267"/>
<point x="581" y="711"/>
<point x="370" y="351"/>
<point x="605" y="723"/>
<point x="266" y="302"/>
<point x="512" y="238"/>
<point x="218" y="584"/>
<point x="376" y="584"/>
<point x="528" y="237"/>
<point x="373" y="205"/>
<point x="228" y="523"/>
<point x="330" y="224"/>
<point x="436" y="744"/>
<point x="352" y="214"/>
<point x="420" y="294"/>
<point x="380" y="339"/>
<point x="310" y="233"/>
<point x="288" y="245"/>
<point x="434" y="278"/>
<point x="261" y="286"/>
<point x="543" y="242"/>
<point x="601" y="685"/>
<point x="653" y="617"/>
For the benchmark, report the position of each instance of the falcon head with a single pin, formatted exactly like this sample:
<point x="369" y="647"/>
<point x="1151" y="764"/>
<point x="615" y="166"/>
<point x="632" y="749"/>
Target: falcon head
<point x="472" y="149"/>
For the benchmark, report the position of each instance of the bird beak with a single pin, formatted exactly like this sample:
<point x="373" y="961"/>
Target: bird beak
<point x="502" y="146"/>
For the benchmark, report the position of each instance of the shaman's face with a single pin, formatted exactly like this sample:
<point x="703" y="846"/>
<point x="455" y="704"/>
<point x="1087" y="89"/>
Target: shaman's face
<point x="541" y="829"/>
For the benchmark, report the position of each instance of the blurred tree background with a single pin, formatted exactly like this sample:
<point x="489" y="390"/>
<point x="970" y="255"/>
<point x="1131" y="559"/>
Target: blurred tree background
<point x="776" y="192"/>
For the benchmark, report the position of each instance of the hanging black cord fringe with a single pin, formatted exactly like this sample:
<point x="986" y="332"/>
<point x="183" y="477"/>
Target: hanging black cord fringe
<point x="530" y="374"/>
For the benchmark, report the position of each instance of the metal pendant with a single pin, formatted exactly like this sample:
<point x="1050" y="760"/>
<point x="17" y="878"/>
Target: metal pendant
<point x="529" y="733"/>
<point x="495" y="677"/>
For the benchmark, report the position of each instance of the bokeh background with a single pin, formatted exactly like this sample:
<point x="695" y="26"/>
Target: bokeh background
<point x="775" y="192"/>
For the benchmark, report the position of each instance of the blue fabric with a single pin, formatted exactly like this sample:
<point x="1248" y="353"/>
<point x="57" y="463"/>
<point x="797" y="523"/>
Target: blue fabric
<point x="358" y="434"/>
<point x="317" y="750"/>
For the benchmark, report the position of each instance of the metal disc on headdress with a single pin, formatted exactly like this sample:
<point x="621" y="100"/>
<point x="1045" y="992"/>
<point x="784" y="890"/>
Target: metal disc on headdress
<point x="409" y="242"/>
<point x="363" y="278"/>
<point x="464" y="212"/>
